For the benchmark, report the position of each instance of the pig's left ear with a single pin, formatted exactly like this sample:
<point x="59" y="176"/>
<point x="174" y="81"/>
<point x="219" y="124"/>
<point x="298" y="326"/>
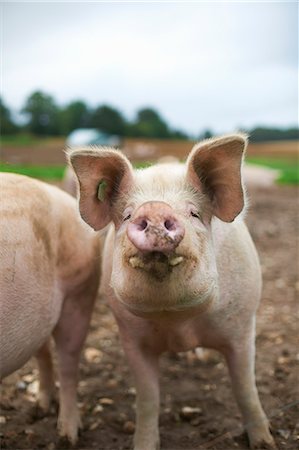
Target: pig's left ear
<point x="104" y="175"/>
<point x="214" y="168"/>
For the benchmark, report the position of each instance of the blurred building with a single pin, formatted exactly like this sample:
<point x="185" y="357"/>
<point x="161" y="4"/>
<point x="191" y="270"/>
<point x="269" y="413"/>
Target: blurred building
<point x="91" y="136"/>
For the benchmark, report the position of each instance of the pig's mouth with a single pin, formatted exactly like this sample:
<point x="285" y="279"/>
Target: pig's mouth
<point x="157" y="264"/>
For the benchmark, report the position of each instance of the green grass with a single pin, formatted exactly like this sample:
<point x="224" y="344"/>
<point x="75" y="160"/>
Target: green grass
<point x="18" y="140"/>
<point x="43" y="172"/>
<point x="27" y="140"/>
<point x="289" y="169"/>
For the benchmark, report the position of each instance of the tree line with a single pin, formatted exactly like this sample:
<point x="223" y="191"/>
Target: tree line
<point x="43" y="117"/>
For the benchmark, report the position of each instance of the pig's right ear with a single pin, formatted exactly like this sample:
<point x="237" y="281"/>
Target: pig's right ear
<point x="103" y="175"/>
<point x="214" y="168"/>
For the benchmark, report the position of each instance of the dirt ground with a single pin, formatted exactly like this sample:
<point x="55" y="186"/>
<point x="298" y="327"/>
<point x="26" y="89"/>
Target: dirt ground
<point x="106" y="392"/>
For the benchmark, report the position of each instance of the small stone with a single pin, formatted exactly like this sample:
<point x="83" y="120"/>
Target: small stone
<point x="2" y="420"/>
<point x="93" y="355"/>
<point x="187" y="412"/>
<point x="129" y="427"/>
<point x="95" y="425"/>
<point x="132" y="391"/>
<point x="29" y="378"/>
<point x="285" y="434"/>
<point x="97" y="409"/>
<point x="106" y="401"/>
<point x="21" y="385"/>
<point x="33" y="387"/>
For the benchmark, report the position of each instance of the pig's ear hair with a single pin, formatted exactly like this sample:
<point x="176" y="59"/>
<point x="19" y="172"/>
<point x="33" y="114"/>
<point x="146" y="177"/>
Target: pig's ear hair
<point x="214" y="167"/>
<point x="103" y="173"/>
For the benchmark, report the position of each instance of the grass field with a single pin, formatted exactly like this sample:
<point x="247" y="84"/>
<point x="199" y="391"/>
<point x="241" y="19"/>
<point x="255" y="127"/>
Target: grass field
<point x="42" y="172"/>
<point x="289" y="170"/>
<point x="25" y="140"/>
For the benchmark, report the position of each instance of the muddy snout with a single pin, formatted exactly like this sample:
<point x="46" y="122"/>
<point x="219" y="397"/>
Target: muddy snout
<point x="155" y="228"/>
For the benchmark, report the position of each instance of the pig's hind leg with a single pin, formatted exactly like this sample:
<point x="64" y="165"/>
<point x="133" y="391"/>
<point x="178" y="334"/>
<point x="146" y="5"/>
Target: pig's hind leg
<point x="46" y="377"/>
<point x="69" y="336"/>
<point x="240" y="359"/>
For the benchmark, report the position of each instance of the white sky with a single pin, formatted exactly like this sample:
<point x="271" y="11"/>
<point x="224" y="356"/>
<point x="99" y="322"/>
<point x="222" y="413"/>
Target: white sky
<point x="218" y="65"/>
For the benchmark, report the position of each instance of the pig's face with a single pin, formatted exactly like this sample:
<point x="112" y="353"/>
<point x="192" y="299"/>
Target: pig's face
<point x="163" y="251"/>
<point x="163" y="243"/>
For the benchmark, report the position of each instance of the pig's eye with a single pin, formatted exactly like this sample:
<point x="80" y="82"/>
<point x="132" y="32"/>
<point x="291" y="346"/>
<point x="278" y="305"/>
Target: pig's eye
<point x="194" y="214"/>
<point x="128" y="216"/>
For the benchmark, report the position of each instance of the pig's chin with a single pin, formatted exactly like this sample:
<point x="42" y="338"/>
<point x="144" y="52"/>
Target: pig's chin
<point x="157" y="265"/>
<point x="177" y="309"/>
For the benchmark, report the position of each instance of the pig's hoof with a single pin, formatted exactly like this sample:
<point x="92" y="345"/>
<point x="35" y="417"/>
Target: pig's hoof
<point x="44" y="400"/>
<point x="262" y="441"/>
<point x="146" y="444"/>
<point x="68" y="427"/>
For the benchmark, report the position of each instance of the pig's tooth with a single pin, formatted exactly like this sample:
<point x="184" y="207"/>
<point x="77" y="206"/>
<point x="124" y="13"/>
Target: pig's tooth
<point x="135" y="261"/>
<point x="175" y="261"/>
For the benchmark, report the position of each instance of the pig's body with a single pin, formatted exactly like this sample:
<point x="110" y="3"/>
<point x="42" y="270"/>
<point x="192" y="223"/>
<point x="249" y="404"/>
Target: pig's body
<point x="178" y="270"/>
<point x="48" y="283"/>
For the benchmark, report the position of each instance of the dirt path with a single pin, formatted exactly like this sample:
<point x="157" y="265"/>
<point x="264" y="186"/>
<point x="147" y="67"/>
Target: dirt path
<point x="106" y="391"/>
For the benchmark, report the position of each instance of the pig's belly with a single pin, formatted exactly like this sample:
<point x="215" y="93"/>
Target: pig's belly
<point x="28" y="316"/>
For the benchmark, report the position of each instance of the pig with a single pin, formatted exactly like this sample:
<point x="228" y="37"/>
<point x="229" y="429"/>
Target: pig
<point x="50" y="270"/>
<point x="179" y="267"/>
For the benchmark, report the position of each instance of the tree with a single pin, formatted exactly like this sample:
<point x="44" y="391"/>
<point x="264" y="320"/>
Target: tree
<point x="7" y="125"/>
<point x="109" y="120"/>
<point x="74" y="115"/>
<point x="206" y="134"/>
<point x="149" y="124"/>
<point x="178" y="134"/>
<point x="261" y="134"/>
<point x="43" y="114"/>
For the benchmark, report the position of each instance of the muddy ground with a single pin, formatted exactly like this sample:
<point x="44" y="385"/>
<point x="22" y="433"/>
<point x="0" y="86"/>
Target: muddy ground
<point x="186" y="380"/>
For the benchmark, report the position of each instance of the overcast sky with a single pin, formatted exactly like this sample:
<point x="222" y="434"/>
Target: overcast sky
<point x="218" y="65"/>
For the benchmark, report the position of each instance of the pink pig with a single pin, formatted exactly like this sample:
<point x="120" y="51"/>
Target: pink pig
<point x="49" y="275"/>
<point x="180" y="269"/>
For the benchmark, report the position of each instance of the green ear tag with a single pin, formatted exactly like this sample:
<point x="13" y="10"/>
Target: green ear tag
<point x="101" y="190"/>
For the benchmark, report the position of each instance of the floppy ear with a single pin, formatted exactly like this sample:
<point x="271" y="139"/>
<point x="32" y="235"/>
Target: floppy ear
<point x="103" y="175"/>
<point x="214" y="167"/>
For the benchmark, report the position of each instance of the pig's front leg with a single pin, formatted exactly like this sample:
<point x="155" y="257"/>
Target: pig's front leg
<point x="145" y="368"/>
<point x="240" y="359"/>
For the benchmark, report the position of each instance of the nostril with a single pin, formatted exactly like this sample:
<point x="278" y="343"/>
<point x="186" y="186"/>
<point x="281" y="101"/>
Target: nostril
<point x="169" y="225"/>
<point x="142" y="225"/>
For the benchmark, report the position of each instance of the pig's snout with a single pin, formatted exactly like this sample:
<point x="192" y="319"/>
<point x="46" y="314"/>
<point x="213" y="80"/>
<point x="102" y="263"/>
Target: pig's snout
<point x="155" y="228"/>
